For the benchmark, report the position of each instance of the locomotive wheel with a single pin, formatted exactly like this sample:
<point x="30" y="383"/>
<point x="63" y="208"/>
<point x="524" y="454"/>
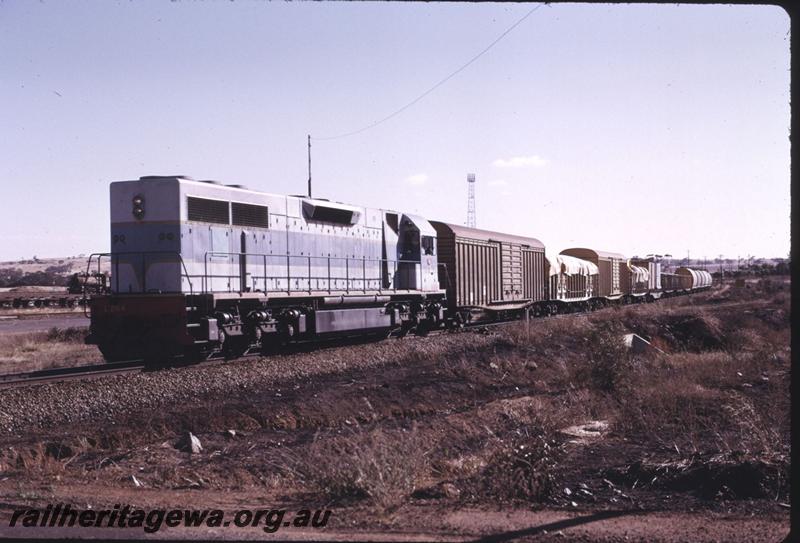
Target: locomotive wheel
<point x="422" y="328"/>
<point x="191" y="355"/>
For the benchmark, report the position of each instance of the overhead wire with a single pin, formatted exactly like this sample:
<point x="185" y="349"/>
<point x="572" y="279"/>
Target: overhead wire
<point x="434" y="87"/>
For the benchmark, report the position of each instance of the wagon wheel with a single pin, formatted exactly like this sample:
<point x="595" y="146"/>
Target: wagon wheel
<point x="422" y="328"/>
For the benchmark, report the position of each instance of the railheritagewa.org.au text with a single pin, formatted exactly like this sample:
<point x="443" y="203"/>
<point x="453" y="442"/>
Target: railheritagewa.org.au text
<point x="153" y="520"/>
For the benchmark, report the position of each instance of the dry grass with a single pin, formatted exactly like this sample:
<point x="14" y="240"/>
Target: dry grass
<point x="477" y="417"/>
<point x="712" y="476"/>
<point x="383" y="467"/>
<point x="692" y="403"/>
<point x="716" y="404"/>
<point x="42" y="350"/>
<point x="608" y="364"/>
<point x="716" y="408"/>
<point x="523" y="470"/>
<point x="40" y="458"/>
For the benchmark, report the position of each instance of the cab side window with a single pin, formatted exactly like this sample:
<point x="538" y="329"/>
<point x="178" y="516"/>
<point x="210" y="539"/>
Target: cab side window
<point x="410" y="244"/>
<point x="428" y="245"/>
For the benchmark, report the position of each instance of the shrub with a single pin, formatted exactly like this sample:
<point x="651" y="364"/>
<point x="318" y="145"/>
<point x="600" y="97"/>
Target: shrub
<point x="608" y="364"/>
<point x="523" y="470"/>
<point x="377" y="465"/>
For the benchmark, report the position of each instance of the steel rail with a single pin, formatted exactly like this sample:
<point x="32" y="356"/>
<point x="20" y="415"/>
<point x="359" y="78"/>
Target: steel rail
<point x="116" y="368"/>
<point x="73" y="372"/>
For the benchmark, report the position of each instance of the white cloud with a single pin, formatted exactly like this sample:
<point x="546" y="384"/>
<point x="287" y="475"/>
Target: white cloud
<point x="497" y="183"/>
<point x="520" y="162"/>
<point x="417" y="179"/>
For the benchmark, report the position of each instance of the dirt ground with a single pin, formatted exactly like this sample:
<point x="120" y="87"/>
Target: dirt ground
<point x="555" y="431"/>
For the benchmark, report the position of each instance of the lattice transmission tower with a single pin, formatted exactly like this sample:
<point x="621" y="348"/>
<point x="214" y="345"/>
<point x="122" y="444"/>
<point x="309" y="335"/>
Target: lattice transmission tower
<point x="471" y="200"/>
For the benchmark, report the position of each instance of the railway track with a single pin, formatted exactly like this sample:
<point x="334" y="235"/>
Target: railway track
<point x="118" y="368"/>
<point x="74" y="372"/>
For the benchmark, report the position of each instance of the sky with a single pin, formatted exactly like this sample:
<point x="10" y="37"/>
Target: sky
<point x="628" y="128"/>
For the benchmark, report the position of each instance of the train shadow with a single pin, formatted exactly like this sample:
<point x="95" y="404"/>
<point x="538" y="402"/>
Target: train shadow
<point x="555" y="526"/>
<point x="328" y="343"/>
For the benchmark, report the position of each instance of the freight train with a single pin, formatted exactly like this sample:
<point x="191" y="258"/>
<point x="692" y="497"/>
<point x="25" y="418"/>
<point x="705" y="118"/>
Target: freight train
<point x="80" y="286"/>
<point x="200" y="269"/>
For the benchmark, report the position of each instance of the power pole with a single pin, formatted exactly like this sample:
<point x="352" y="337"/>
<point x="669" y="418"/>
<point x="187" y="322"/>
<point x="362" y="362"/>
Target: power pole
<point x="309" y="165"/>
<point x="471" y="220"/>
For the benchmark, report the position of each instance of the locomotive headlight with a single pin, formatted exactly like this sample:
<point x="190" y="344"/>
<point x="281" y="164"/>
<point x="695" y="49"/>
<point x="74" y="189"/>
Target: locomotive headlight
<point x="138" y="206"/>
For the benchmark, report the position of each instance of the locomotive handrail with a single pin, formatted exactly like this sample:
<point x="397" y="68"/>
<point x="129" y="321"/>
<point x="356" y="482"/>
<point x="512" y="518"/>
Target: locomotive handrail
<point x="446" y="274"/>
<point x="378" y="271"/>
<point x="348" y="278"/>
<point x="144" y="255"/>
<point x="84" y="299"/>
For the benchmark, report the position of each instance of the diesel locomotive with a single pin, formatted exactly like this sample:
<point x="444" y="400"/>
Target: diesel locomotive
<point x="200" y="269"/>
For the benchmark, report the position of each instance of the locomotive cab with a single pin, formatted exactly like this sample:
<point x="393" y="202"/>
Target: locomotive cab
<point x="417" y="255"/>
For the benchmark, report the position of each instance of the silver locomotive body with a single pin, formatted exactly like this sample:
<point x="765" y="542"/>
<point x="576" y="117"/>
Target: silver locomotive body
<point x="199" y="268"/>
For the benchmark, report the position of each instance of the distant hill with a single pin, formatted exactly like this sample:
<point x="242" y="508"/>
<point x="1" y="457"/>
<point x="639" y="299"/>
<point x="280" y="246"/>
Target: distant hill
<point x="72" y="264"/>
<point x="45" y="271"/>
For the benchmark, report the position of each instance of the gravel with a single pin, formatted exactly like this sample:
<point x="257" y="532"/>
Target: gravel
<point x="105" y="399"/>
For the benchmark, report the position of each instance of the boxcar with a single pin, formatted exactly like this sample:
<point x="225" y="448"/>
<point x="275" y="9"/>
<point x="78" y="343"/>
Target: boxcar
<point x="609" y="264"/>
<point x="673" y="283"/>
<point x="489" y="270"/>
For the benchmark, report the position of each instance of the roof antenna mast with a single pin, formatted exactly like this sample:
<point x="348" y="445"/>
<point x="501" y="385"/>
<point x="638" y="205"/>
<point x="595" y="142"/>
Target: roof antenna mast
<point x="309" y="165"/>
